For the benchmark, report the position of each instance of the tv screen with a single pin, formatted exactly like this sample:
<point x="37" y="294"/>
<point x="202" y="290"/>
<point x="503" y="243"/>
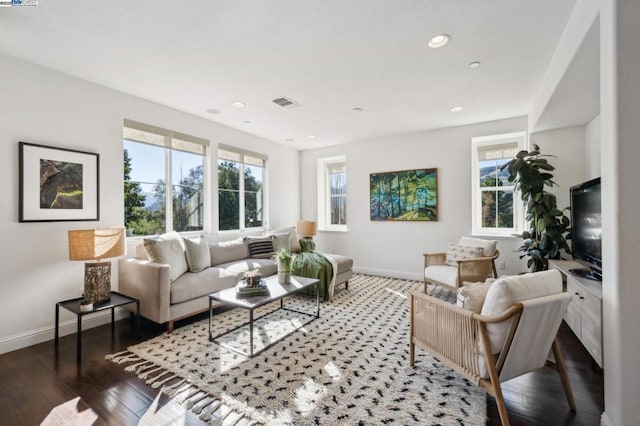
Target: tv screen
<point x="586" y="228"/>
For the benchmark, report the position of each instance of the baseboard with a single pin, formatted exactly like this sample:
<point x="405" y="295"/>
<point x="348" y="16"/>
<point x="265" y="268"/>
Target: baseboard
<point x="388" y="273"/>
<point x="605" y="421"/>
<point x="39" y="335"/>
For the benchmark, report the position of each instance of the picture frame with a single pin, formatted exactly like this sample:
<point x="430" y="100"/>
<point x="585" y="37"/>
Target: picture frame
<point x="58" y="184"/>
<point x="406" y="195"/>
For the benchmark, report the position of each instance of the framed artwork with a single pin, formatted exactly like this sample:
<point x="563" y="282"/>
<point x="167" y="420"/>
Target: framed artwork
<point x="58" y="184"/>
<point x="408" y="195"/>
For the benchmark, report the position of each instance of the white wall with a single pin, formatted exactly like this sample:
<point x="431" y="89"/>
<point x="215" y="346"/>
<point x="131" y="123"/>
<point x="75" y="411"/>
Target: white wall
<point x="592" y="148"/>
<point x="46" y="107"/>
<point x="395" y="248"/>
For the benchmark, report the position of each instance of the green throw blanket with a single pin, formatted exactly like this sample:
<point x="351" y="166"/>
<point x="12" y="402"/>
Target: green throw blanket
<point x="310" y="264"/>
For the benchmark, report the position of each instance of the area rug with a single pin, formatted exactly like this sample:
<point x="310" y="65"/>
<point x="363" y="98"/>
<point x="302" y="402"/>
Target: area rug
<point x="350" y="366"/>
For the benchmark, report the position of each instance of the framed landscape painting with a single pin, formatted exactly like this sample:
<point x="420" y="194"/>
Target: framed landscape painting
<point x="408" y="195"/>
<point x="58" y="184"/>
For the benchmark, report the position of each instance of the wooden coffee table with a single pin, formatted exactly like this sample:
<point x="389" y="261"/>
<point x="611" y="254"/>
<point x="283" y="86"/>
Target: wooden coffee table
<point x="277" y="292"/>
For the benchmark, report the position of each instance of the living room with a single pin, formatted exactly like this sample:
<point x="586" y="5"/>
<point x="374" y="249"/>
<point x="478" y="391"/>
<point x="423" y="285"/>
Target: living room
<point x="53" y="108"/>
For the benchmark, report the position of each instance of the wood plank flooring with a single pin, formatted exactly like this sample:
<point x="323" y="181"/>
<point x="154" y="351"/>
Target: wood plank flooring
<point x="40" y="385"/>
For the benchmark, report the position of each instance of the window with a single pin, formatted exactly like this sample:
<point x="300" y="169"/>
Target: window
<point x="164" y="175"/>
<point x="332" y="193"/>
<point x="495" y="208"/>
<point x="240" y="189"/>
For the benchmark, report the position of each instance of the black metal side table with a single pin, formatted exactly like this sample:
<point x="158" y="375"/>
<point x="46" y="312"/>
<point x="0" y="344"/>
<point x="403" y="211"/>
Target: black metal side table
<point x="73" y="305"/>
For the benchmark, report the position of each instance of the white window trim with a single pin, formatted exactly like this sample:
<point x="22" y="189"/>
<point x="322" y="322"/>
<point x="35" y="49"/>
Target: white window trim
<point x="324" y="205"/>
<point x="476" y="203"/>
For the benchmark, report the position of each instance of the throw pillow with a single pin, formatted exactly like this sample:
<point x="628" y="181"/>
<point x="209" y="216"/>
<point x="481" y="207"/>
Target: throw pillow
<point x="281" y="241"/>
<point x="293" y="237"/>
<point x="506" y="291"/>
<point x="259" y="245"/>
<point x="168" y="249"/>
<point x="456" y="252"/>
<point x="471" y="295"/>
<point x="489" y="246"/>
<point x="198" y="256"/>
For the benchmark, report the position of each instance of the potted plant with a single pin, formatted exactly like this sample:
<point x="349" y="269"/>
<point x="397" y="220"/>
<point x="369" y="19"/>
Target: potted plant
<point x="284" y="259"/>
<point x="86" y="305"/>
<point x="547" y="225"/>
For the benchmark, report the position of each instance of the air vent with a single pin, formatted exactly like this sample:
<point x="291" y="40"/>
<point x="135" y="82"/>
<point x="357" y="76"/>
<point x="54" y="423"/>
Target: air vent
<point x="285" y="102"/>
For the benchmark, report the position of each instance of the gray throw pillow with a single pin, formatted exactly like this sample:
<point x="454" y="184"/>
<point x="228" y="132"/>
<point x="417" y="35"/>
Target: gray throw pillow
<point x="167" y="249"/>
<point x="198" y="256"/>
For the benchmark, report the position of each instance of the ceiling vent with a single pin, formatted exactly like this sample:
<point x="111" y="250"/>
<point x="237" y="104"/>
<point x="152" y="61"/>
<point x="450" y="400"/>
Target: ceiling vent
<point x="285" y="102"/>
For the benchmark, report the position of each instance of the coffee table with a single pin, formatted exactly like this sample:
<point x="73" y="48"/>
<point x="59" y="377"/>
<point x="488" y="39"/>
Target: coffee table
<point x="277" y="292"/>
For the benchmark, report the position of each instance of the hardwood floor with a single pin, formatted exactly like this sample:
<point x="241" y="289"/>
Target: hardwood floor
<point x="43" y="386"/>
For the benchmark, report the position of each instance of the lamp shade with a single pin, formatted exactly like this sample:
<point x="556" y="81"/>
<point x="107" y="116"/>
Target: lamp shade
<point x="306" y="228"/>
<point x="87" y="244"/>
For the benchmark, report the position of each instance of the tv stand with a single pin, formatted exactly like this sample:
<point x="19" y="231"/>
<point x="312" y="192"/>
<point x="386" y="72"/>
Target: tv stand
<point x="584" y="313"/>
<point x="587" y="273"/>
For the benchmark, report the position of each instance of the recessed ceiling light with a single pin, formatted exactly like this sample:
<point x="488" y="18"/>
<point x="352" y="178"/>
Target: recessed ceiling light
<point x="456" y="109"/>
<point x="311" y="136"/>
<point x="247" y="122"/>
<point x="237" y="104"/>
<point x="474" y="64"/>
<point x="357" y="109"/>
<point x="439" y="40"/>
<point x="289" y="140"/>
<point x="213" y="111"/>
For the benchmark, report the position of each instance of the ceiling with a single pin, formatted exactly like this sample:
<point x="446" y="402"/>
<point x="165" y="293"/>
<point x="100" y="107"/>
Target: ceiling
<point x="329" y="56"/>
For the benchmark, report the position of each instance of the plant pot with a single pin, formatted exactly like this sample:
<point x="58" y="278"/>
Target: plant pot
<point x="87" y="307"/>
<point x="284" y="276"/>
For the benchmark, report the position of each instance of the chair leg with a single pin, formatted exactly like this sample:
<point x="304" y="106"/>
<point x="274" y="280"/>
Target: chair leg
<point x="562" y="370"/>
<point x="425" y="287"/>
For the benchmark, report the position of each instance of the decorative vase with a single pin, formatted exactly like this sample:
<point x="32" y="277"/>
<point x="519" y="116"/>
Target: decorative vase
<point x="284" y="274"/>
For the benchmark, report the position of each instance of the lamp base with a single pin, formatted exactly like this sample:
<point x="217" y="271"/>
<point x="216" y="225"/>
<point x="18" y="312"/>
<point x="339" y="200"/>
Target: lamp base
<point x="97" y="281"/>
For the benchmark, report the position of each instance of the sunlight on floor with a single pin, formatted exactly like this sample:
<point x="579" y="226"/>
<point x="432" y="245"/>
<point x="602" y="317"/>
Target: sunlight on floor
<point x="396" y="293"/>
<point x="167" y="413"/>
<point x="68" y="413"/>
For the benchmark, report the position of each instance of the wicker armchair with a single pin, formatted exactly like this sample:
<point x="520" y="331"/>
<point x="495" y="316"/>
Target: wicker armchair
<point x="438" y="272"/>
<point x="465" y="341"/>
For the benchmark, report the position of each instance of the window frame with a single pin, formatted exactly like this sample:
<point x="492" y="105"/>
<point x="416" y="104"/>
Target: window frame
<point x="494" y="141"/>
<point x="241" y="186"/>
<point x="324" y="193"/>
<point x="170" y="140"/>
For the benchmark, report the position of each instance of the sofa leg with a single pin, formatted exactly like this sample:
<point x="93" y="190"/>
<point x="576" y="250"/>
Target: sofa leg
<point x="346" y="285"/>
<point x="170" y="327"/>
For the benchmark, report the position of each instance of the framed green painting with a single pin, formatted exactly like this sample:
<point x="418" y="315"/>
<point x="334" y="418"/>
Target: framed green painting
<point x="407" y="195"/>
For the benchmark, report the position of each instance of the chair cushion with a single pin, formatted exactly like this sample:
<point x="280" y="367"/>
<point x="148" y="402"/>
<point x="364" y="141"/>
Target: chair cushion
<point x="190" y="286"/>
<point x="228" y="251"/>
<point x="197" y="250"/>
<point x="168" y="249"/>
<point x="506" y="291"/>
<point x="471" y="295"/>
<point x="443" y="274"/>
<point x="457" y="252"/>
<point x="489" y="246"/>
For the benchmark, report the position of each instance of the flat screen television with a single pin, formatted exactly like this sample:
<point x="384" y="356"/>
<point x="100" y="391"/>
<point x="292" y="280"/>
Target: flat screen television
<point x="586" y="229"/>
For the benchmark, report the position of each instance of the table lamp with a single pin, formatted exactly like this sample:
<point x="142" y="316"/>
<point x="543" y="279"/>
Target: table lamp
<point x="307" y="229"/>
<point x="90" y="244"/>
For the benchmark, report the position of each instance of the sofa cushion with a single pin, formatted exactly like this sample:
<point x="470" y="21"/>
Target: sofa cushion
<point x="228" y="251"/>
<point x="444" y="274"/>
<point x="198" y="256"/>
<point x="344" y="263"/>
<point x="294" y="243"/>
<point x="457" y="252"/>
<point x="489" y="246"/>
<point x="192" y="285"/>
<point x="168" y="249"/>
<point x="259" y="245"/>
<point x="239" y="267"/>
<point x="506" y="291"/>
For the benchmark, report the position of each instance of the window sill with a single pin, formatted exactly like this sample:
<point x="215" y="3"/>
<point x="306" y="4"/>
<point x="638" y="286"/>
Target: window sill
<point x="334" y="231"/>
<point x="512" y="236"/>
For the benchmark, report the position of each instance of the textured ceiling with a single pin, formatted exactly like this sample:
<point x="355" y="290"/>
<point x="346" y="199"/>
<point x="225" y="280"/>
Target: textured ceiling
<point x="329" y="56"/>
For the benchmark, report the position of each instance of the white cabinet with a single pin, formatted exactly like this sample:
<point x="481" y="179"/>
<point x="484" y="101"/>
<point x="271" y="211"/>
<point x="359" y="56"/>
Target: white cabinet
<point x="584" y="313"/>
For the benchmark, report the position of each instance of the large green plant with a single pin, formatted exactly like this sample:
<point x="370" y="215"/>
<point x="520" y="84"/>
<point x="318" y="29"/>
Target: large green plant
<point x="547" y="225"/>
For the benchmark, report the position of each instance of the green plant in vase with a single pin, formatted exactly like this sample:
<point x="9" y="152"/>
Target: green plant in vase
<point x="547" y="225"/>
<point x="284" y="259"/>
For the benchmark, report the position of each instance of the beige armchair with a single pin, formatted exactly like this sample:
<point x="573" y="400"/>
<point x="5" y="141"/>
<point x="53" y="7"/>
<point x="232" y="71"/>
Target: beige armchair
<point x="451" y="270"/>
<point x="501" y="342"/>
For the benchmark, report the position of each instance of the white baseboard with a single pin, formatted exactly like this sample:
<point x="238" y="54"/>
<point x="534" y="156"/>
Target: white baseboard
<point x="388" y="273"/>
<point x="32" y="337"/>
<point x="605" y="421"/>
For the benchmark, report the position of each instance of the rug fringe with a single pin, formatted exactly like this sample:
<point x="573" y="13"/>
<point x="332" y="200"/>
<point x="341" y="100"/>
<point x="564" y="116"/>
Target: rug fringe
<point x="148" y="372"/>
<point x="134" y="367"/>
<point x="122" y="357"/>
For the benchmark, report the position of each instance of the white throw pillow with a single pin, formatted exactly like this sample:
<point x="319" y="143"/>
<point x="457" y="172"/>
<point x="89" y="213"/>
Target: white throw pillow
<point x="294" y="244"/>
<point x="168" y="249"/>
<point x="471" y="296"/>
<point x="457" y="252"/>
<point x="281" y="241"/>
<point x="506" y="291"/>
<point x="198" y="255"/>
<point x="489" y="246"/>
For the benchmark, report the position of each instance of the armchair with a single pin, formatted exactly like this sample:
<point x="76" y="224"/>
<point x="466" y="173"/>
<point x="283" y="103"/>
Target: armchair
<point x="497" y="344"/>
<point x="452" y="270"/>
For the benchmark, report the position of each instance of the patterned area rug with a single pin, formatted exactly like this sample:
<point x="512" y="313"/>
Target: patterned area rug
<point x="350" y="366"/>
